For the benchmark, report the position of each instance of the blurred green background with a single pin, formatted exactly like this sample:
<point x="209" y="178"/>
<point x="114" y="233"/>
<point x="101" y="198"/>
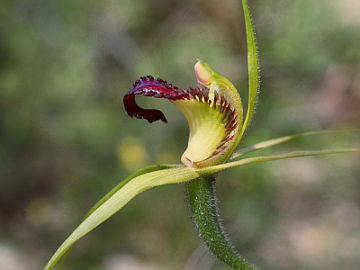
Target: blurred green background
<point x="66" y="139"/>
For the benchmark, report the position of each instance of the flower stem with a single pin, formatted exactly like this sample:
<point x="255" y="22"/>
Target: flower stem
<point x="205" y="213"/>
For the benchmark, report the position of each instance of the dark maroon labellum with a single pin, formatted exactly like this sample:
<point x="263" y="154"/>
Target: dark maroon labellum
<point x="148" y="86"/>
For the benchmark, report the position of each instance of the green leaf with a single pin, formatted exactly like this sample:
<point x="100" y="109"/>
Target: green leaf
<point x="276" y="141"/>
<point x="253" y="67"/>
<point x="115" y="201"/>
<point x="141" y="171"/>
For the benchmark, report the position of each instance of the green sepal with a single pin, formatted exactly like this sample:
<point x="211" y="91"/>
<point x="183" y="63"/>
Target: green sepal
<point x="280" y="140"/>
<point x="253" y="67"/>
<point x="294" y="154"/>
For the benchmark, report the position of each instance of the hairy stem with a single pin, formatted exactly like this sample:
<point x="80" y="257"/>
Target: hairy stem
<point x="204" y="209"/>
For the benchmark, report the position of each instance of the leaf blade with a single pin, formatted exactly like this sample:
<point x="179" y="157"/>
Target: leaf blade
<point x="119" y="199"/>
<point x="139" y="172"/>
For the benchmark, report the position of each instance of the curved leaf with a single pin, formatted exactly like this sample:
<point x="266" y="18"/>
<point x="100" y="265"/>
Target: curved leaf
<point x="139" y="172"/>
<point x="118" y="199"/>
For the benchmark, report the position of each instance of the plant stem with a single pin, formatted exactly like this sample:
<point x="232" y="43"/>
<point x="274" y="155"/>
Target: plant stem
<point x="204" y="209"/>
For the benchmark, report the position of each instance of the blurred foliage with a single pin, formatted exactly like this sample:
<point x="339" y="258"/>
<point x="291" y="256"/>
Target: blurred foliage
<point x="66" y="140"/>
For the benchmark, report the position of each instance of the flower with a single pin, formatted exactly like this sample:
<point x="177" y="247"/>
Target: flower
<point x="213" y="110"/>
<point x="215" y="115"/>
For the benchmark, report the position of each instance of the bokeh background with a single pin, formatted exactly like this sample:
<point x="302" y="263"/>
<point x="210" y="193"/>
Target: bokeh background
<point x="66" y="140"/>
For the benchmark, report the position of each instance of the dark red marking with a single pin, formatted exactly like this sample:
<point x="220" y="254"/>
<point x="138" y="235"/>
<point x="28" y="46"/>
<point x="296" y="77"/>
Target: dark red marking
<point x="134" y="110"/>
<point x="148" y="86"/>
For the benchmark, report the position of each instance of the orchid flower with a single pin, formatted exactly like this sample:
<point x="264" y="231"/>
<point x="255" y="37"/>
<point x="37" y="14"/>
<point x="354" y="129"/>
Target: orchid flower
<point x="214" y="112"/>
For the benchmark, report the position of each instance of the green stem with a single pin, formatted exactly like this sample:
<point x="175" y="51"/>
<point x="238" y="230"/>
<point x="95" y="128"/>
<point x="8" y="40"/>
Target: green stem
<point x="204" y="209"/>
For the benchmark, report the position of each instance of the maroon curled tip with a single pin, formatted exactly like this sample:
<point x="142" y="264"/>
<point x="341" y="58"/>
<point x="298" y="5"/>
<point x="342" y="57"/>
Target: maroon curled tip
<point x="148" y="86"/>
